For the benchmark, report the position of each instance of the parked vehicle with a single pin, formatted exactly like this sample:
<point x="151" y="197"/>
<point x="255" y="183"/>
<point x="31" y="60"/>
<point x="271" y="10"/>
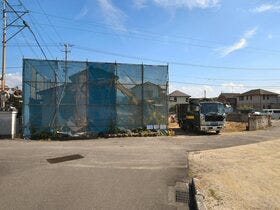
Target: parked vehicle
<point x="275" y="113"/>
<point x="203" y="116"/>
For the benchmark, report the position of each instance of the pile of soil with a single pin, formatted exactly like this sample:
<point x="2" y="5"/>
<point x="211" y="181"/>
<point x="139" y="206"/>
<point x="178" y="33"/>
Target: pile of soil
<point x="173" y="125"/>
<point x="235" y="127"/>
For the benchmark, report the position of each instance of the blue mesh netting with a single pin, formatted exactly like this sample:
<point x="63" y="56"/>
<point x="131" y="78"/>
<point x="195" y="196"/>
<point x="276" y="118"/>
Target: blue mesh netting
<point x="89" y="98"/>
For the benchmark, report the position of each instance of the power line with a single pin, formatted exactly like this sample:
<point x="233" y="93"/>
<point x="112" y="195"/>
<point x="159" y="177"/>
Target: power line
<point x="152" y="34"/>
<point x="160" y="61"/>
<point x="25" y="23"/>
<point x="156" y="60"/>
<point x="225" y="85"/>
<point x="238" y="80"/>
<point x="14" y="23"/>
<point x="50" y="22"/>
<point x="28" y="45"/>
<point x="33" y="22"/>
<point x="151" y="38"/>
<point x="174" y="62"/>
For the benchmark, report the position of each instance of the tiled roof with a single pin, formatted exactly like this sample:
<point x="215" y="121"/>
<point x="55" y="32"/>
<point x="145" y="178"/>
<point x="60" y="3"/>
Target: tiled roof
<point x="258" y="92"/>
<point x="178" y="93"/>
<point x="229" y="95"/>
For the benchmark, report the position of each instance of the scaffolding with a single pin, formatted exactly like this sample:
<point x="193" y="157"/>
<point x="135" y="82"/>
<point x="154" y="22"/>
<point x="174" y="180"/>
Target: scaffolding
<point x="88" y="98"/>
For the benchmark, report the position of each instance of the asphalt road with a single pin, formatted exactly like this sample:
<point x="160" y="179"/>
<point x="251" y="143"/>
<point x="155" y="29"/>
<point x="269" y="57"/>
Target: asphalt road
<point x="130" y="173"/>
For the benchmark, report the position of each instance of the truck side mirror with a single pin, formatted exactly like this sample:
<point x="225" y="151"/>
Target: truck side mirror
<point x="197" y="109"/>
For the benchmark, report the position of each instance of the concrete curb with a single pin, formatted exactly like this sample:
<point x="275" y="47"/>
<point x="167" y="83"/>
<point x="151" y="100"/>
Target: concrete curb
<point x="197" y="197"/>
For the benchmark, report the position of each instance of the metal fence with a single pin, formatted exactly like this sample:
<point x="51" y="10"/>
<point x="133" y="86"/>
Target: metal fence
<point x="78" y="98"/>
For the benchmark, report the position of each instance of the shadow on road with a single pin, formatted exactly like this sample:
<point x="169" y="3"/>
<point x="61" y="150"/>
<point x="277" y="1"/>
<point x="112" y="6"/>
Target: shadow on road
<point x="181" y="132"/>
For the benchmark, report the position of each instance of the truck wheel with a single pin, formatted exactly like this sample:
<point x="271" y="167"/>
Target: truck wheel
<point x="217" y="132"/>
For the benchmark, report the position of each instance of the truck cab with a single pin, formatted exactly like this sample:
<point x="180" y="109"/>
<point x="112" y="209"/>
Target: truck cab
<point x="203" y="116"/>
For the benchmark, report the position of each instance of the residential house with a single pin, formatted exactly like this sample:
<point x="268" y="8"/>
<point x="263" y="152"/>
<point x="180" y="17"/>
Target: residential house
<point x="229" y="98"/>
<point x="154" y="105"/>
<point x="177" y="97"/>
<point x="258" y="99"/>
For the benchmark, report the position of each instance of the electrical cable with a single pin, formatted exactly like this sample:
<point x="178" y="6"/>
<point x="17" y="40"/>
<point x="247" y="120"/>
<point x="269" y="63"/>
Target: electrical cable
<point x="33" y="23"/>
<point x="175" y="62"/>
<point x="149" y="33"/>
<point x="47" y="17"/>
<point x="26" y="40"/>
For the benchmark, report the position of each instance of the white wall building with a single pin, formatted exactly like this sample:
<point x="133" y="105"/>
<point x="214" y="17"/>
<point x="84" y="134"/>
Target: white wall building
<point x="258" y="99"/>
<point x="177" y="97"/>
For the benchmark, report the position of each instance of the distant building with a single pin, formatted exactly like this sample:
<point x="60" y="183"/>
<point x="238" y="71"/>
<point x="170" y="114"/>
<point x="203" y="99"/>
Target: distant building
<point x="178" y="97"/>
<point x="258" y="99"/>
<point x="229" y="98"/>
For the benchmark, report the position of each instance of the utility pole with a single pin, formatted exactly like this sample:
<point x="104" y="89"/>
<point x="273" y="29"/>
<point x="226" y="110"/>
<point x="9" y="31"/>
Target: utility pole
<point x="4" y="42"/>
<point x="8" y="8"/>
<point x="66" y="51"/>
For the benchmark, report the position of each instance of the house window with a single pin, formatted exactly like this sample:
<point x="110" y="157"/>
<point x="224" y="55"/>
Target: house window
<point x="267" y="97"/>
<point x="241" y="98"/>
<point x="175" y="99"/>
<point x="251" y="98"/>
<point x="247" y="98"/>
<point x="187" y="100"/>
<point x="263" y="97"/>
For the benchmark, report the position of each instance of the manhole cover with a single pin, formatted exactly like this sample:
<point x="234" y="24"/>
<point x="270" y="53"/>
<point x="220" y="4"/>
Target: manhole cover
<point x="182" y="196"/>
<point x="64" y="158"/>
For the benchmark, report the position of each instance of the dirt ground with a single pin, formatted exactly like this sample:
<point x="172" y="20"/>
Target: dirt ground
<point x="242" y="177"/>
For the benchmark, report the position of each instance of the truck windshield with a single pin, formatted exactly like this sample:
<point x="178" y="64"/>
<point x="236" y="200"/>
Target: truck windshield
<point x="208" y="108"/>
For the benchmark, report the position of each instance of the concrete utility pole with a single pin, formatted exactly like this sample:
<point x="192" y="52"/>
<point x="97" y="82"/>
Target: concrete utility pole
<point x="4" y="42"/>
<point x="3" y="95"/>
<point x="66" y="51"/>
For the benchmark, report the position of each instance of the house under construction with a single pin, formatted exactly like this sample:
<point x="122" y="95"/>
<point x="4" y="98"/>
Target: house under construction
<point x="89" y="98"/>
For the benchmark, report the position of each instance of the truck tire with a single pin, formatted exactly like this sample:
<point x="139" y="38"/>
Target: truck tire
<point x="217" y="132"/>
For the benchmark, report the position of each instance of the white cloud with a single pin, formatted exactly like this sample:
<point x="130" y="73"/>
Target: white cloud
<point x="197" y="91"/>
<point x="233" y="87"/>
<point x="267" y="7"/>
<point x="13" y="80"/>
<point x="250" y="33"/>
<point x="175" y="4"/>
<point x="236" y="46"/>
<point x="113" y="15"/>
<point x="190" y="4"/>
<point x="140" y="3"/>
<point x="242" y="43"/>
<point x="83" y="12"/>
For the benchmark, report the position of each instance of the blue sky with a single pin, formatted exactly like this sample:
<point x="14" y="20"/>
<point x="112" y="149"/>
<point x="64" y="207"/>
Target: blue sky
<point x="213" y="45"/>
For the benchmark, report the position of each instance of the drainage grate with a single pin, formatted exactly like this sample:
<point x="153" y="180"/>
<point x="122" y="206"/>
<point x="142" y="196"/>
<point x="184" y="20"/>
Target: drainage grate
<point x="64" y="158"/>
<point x="182" y="196"/>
